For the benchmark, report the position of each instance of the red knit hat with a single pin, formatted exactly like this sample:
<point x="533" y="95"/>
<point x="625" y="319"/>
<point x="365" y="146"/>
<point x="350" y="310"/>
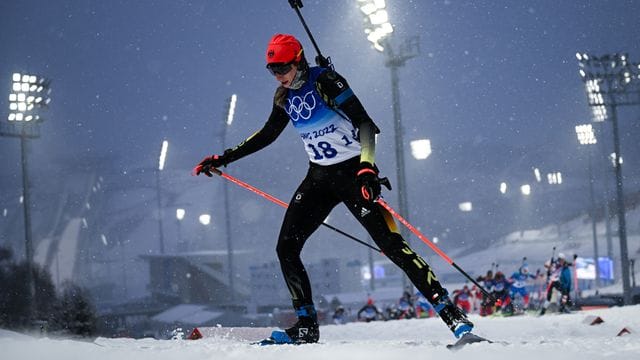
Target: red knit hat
<point x="283" y="48"/>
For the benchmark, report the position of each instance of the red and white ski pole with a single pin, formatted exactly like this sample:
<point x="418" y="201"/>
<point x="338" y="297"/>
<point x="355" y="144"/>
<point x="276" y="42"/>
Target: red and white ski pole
<point x="284" y="204"/>
<point x="433" y="246"/>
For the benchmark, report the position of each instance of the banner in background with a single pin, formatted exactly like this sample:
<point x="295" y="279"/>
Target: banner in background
<point x="586" y="268"/>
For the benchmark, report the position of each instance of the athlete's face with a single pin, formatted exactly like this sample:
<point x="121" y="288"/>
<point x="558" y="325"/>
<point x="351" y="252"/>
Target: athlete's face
<point x="286" y="79"/>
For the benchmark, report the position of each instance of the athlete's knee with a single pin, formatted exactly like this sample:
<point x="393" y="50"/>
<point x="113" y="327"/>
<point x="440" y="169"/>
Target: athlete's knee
<point x="398" y="250"/>
<point x="391" y="243"/>
<point x="287" y="248"/>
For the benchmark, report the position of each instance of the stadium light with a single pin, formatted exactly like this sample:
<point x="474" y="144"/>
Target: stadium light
<point x="536" y="173"/>
<point x="204" y="219"/>
<point x="503" y="187"/>
<point x="554" y="178"/>
<point x="232" y="108"/>
<point x="596" y="99"/>
<point x="420" y="149"/>
<point x="377" y="25"/>
<point x="525" y="189"/>
<point x="29" y="92"/>
<point x="586" y="134"/>
<point x="466" y="206"/>
<point x="163" y="155"/>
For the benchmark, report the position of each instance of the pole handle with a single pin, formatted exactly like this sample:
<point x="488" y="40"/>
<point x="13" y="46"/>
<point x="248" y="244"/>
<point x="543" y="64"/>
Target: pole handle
<point x="296" y="3"/>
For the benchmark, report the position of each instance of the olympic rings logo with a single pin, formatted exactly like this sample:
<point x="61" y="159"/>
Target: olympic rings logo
<point x="301" y="107"/>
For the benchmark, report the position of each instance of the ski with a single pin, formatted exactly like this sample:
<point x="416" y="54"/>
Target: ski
<point x="278" y="337"/>
<point x="466" y="339"/>
<point x="266" y="342"/>
<point x="249" y="334"/>
<point x="252" y="335"/>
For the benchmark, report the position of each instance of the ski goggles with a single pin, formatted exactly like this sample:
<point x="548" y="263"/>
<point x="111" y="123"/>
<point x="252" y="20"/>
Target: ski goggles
<point x="280" y="68"/>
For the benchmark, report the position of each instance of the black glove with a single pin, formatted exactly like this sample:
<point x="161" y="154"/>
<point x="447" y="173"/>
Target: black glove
<point x="209" y="163"/>
<point x="369" y="182"/>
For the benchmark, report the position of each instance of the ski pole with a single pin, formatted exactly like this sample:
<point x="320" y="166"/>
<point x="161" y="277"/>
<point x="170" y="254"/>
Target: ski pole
<point x="546" y="281"/>
<point x="284" y="205"/>
<point x="320" y="60"/>
<point x="553" y="254"/>
<point x="431" y="245"/>
<point x="575" y="277"/>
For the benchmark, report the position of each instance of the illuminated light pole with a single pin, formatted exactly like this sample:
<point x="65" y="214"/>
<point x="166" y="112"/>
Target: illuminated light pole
<point x="587" y="136"/>
<point x="179" y="217"/>
<point x="227" y="218"/>
<point x="205" y="220"/>
<point x="29" y="93"/>
<point x="525" y="190"/>
<point x="378" y="29"/>
<point x="611" y="81"/>
<point x="161" y="161"/>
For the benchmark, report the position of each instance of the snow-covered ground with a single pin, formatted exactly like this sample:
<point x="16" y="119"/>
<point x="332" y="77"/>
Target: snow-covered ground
<point x="564" y="337"/>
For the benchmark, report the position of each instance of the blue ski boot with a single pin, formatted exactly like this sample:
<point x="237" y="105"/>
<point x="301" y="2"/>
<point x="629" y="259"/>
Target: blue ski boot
<point x="305" y="330"/>
<point x="453" y="316"/>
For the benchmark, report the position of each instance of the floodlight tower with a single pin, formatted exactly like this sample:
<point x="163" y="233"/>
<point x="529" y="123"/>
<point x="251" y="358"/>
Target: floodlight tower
<point x="378" y="29"/>
<point x="29" y="93"/>
<point x="227" y="217"/>
<point x="179" y="217"/>
<point x="612" y="80"/>
<point x="161" y="161"/>
<point x="587" y="136"/>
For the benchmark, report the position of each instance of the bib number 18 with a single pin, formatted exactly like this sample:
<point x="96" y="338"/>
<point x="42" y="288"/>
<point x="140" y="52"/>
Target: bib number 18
<point x="323" y="150"/>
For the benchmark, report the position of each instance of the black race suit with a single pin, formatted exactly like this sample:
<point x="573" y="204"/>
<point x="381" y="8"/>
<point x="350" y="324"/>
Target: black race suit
<point x="331" y="180"/>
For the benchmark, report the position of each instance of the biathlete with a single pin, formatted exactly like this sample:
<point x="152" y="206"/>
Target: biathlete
<point x="339" y="137"/>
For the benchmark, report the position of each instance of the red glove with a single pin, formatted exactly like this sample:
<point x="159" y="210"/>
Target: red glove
<point x="369" y="182"/>
<point x="209" y="164"/>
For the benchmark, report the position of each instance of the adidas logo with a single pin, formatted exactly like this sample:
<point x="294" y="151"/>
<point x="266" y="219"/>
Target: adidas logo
<point x="364" y="212"/>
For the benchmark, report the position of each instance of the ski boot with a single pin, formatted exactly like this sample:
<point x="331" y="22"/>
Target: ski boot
<point x="544" y="307"/>
<point x="304" y="331"/>
<point x="565" y="303"/>
<point x="453" y="316"/>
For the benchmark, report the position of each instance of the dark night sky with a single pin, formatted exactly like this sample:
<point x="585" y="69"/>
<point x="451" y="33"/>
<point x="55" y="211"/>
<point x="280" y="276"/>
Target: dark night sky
<point x="495" y="88"/>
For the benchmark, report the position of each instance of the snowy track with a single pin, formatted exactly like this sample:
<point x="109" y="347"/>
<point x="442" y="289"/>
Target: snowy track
<point x="553" y="336"/>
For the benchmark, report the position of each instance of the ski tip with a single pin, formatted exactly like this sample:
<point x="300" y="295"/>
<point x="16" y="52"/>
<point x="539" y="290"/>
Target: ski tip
<point x="265" y="342"/>
<point x="466" y="339"/>
<point x="278" y="337"/>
